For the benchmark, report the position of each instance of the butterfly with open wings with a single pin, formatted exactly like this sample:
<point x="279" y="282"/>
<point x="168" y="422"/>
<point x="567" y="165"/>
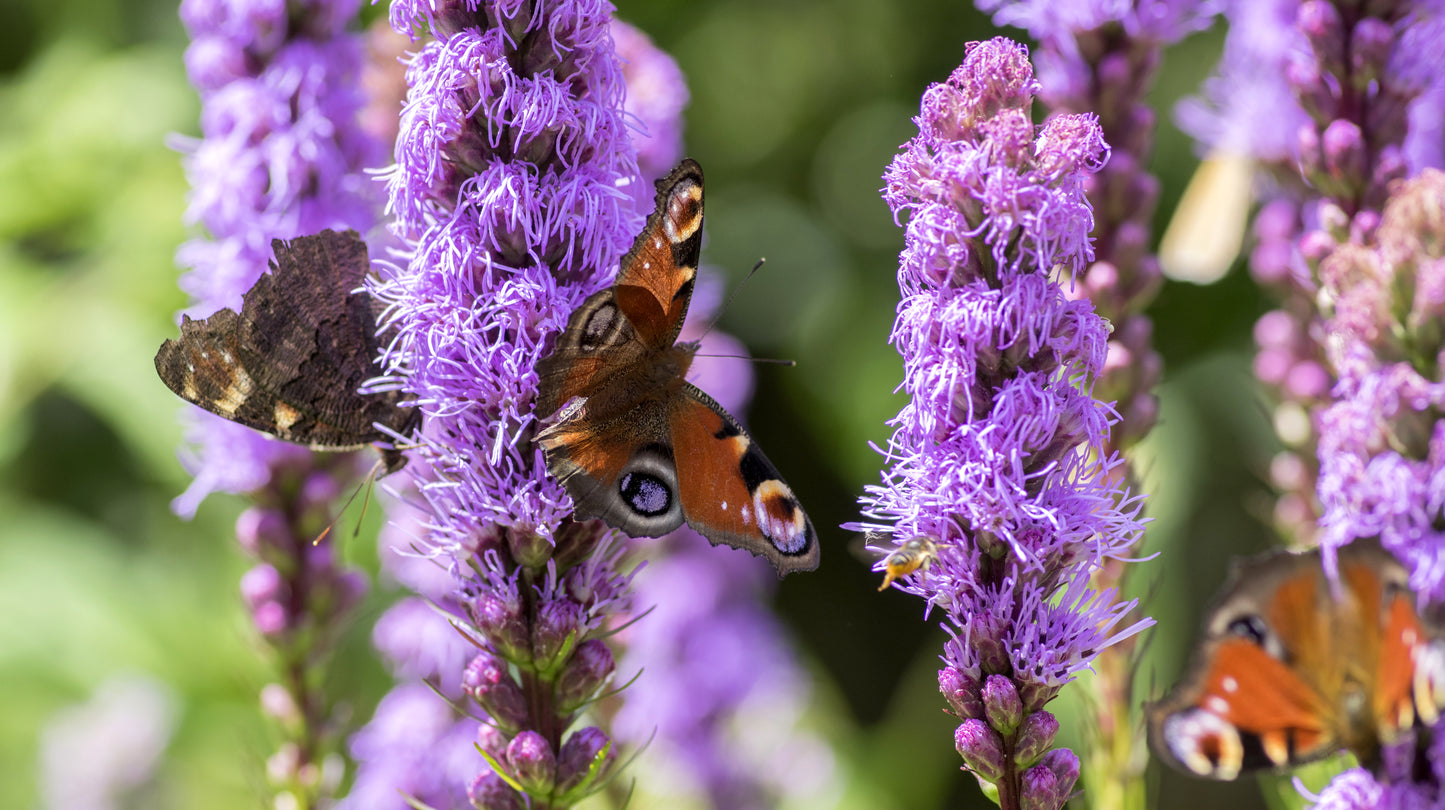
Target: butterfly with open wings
<point x="290" y="362"/>
<point x="1291" y="669"/>
<point x="630" y="439"/>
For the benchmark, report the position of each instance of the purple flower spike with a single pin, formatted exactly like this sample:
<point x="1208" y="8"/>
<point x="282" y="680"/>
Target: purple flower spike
<point x="513" y="191"/>
<point x="1356" y="372"/>
<point x="1001" y="456"/>
<point x="281" y="155"/>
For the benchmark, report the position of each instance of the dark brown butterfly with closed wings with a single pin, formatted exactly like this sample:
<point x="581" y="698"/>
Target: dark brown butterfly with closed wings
<point x="631" y="440"/>
<point x="1291" y="669"/>
<point x="291" y="361"/>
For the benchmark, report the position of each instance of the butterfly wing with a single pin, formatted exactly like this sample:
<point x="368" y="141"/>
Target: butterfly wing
<point x="655" y="283"/>
<point x="1255" y="698"/>
<point x="641" y="314"/>
<point x="621" y="470"/>
<point x="1244" y="710"/>
<point x="730" y="492"/>
<point x="290" y="363"/>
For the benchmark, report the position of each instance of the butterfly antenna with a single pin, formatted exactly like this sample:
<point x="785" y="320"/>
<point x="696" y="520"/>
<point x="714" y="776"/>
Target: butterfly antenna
<point x="734" y="294"/>
<point x="365" y="485"/>
<point x="773" y="360"/>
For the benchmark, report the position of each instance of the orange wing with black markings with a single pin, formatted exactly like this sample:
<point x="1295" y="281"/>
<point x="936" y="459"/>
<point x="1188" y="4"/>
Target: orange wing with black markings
<point x="1292" y="669"/>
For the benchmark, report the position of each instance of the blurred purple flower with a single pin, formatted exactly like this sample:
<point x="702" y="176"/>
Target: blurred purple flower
<point x="1382" y="443"/>
<point x="656" y="96"/>
<point x="1247" y="107"/>
<point x="413" y="745"/>
<point x="102" y="754"/>
<point x="1000" y="454"/>
<point x="280" y="156"/>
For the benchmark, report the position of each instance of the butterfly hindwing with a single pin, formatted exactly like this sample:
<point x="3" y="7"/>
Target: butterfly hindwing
<point x="622" y="471"/>
<point x="290" y="363"/>
<point x="730" y="492"/>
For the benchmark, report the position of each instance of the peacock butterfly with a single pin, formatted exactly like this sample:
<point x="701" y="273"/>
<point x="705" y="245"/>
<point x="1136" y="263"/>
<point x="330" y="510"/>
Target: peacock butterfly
<point x="291" y="361"/>
<point x="630" y="439"/>
<point x="1291" y="669"/>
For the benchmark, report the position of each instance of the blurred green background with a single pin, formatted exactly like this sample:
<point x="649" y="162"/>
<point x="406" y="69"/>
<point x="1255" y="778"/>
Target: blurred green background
<point x="796" y="110"/>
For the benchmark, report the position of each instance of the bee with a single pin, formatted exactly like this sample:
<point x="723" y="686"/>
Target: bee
<point x="918" y="553"/>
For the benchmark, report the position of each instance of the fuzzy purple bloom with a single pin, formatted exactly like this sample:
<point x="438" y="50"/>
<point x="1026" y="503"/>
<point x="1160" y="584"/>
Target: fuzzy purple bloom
<point x="1000" y="454"/>
<point x="104" y="753"/>
<point x="1382" y="443"/>
<point x="513" y="197"/>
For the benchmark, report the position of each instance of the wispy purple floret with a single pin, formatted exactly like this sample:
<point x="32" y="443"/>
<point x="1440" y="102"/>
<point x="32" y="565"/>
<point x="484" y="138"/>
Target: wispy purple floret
<point x="1000" y="454"/>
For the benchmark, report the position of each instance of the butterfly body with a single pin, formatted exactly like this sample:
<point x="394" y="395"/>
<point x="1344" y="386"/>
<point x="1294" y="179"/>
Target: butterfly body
<point x="631" y="440"/>
<point x="1292" y="669"/>
<point x="290" y="362"/>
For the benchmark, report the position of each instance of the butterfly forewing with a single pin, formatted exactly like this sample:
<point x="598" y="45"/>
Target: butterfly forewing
<point x="291" y="361"/>
<point x="654" y="285"/>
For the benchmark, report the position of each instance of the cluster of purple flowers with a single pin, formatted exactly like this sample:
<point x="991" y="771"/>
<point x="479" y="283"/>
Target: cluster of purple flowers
<point x="280" y="156"/>
<point x="1101" y="58"/>
<point x="513" y="198"/>
<point x="1354" y="250"/>
<point x="999" y="456"/>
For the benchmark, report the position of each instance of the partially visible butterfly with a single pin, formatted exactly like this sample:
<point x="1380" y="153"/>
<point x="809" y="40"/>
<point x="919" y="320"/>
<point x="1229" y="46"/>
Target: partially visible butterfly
<point x="918" y="553"/>
<point x="631" y="440"/>
<point x="1286" y="673"/>
<point x="290" y="363"/>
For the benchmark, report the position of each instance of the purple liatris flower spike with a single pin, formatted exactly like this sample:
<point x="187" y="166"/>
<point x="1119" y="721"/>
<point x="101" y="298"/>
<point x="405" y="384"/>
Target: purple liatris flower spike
<point x="280" y="156"/>
<point x="512" y="195"/>
<point x="999" y="456"/>
<point x="1101" y="58"/>
<point x="1382" y="441"/>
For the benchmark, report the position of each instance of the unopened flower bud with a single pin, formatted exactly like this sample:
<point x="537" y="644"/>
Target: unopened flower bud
<point x="1001" y="704"/>
<point x="1065" y="765"/>
<point x="590" y="667"/>
<point x="1039" y="790"/>
<point x="1343" y="146"/>
<point x="981" y="749"/>
<point x="499" y="618"/>
<point x="533" y="763"/>
<point x="554" y="632"/>
<point x="579" y="767"/>
<point x="1036" y="736"/>
<point x="488" y="681"/>
<point x="961" y="692"/>
<point x="259" y="530"/>
<point x="1372" y="41"/>
<point x="490" y="792"/>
